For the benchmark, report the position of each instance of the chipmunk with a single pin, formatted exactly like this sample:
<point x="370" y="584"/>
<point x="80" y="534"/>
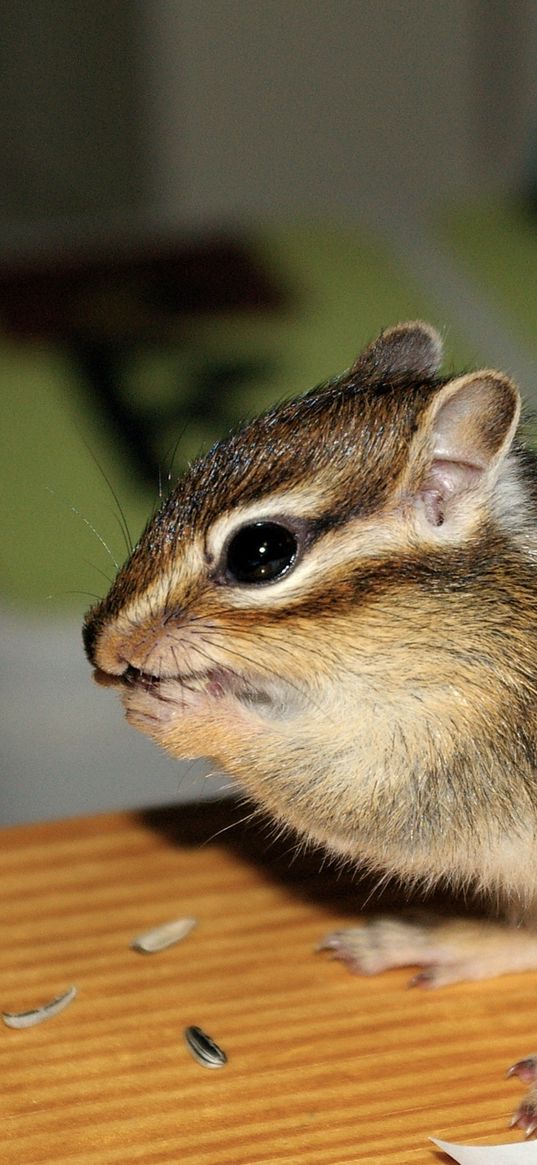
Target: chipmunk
<point x="338" y="605"/>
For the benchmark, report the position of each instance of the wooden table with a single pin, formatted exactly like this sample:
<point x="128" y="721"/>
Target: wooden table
<point x="324" y="1067"/>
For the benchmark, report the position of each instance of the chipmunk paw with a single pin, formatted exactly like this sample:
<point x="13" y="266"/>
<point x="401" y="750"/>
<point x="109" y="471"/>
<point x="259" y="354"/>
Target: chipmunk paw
<point x="384" y="943"/>
<point x="445" y="950"/>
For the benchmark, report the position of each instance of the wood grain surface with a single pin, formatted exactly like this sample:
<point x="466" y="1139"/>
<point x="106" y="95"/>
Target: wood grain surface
<point x="324" y="1068"/>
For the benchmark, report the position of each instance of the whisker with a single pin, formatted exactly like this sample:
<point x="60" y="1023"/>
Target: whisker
<point x="257" y="665"/>
<point x="79" y="514"/>
<point x="174" y="451"/>
<point x="93" y="566"/>
<point x="232" y="825"/>
<point x="86" y="594"/>
<point x="383" y="880"/>
<point x="120" y="516"/>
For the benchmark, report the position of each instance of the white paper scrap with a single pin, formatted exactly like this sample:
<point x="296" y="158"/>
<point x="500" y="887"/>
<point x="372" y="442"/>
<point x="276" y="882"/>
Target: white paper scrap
<point x="523" y="1153"/>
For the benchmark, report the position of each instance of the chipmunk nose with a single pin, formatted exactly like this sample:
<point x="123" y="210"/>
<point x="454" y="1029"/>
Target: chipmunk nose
<point x="114" y="647"/>
<point x="89" y="637"/>
<point x="103" y="652"/>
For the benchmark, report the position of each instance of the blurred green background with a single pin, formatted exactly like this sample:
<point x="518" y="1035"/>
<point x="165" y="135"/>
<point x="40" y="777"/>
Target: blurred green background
<point x="57" y="451"/>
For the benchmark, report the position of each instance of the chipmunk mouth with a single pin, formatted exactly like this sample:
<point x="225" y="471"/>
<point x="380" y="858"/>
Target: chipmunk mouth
<point x="215" y="681"/>
<point x="267" y="697"/>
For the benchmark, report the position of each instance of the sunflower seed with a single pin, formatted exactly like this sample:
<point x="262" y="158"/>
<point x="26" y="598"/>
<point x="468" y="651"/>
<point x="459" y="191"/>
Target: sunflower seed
<point x="38" y="1014"/>
<point x="163" y="936"/>
<point x="204" y="1049"/>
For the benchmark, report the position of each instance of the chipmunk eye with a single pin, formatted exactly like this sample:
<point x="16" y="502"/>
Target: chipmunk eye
<point x="260" y="552"/>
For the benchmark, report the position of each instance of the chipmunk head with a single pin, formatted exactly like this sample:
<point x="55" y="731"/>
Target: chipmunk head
<point x="285" y="610"/>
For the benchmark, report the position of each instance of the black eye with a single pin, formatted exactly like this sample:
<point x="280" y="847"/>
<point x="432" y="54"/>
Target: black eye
<point x="260" y="553"/>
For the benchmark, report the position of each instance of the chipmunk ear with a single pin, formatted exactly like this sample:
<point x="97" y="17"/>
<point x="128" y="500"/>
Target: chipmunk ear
<point x="412" y="348"/>
<point x="465" y="436"/>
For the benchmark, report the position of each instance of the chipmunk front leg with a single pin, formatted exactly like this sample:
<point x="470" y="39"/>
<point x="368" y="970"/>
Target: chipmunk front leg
<point x="447" y="950"/>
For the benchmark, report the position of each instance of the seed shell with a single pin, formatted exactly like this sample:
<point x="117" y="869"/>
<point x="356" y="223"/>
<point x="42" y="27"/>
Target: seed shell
<point x="203" y="1048"/>
<point x="36" y="1015"/>
<point x="161" y="937"/>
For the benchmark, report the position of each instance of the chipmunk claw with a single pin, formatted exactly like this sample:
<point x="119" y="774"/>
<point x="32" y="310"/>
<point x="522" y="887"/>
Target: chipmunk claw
<point x="342" y="948"/>
<point x="525" y="1117"/>
<point x="425" y="978"/>
<point x="526" y="1070"/>
<point x="365" y="950"/>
